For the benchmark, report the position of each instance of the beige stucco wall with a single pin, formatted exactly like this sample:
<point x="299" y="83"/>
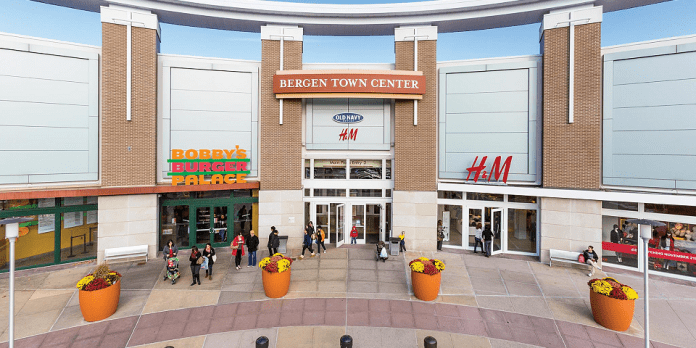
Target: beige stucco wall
<point x="415" y="212"/>
<point x="127" y="221"/>
<point x="570" y="224"/>
<point x="284" y="210"/>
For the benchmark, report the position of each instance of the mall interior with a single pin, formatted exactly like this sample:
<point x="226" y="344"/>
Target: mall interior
<point x="549" y="151"/>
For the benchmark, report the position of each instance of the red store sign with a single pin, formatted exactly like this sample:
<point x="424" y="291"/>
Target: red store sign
<point x="496" y="169"/>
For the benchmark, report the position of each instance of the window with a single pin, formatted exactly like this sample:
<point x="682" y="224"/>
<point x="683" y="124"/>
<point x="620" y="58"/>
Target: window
<point x="522" y="199"/>
<point x="483" y="197"/>
<point x="450" y="194"/>
<point x="307" y="168"/>
<point x="620" y="205"/>
<point x="450" y="216"/>
<point x="366" y="193"/>
<point x="670" y="209"/>
<point x="388" y="170"/>
<point x="366" y="169"/>
<point x="329" y="192"/>
<point x="330" y="169"/>
<point x="522" y="230"/>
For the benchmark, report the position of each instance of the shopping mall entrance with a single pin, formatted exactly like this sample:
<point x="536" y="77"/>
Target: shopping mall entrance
<point x="372" y="220"/>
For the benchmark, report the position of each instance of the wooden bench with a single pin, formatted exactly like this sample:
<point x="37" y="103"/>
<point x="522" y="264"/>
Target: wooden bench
<point x="126" y="252"/>
<point x="570" y="257"/>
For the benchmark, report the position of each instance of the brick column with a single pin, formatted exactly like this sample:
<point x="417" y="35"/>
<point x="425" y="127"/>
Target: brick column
<point x="415" y="187"/>
<point x="280" y="149"/>
<point x="571" y="151"/>
<point x="129" y="148"/>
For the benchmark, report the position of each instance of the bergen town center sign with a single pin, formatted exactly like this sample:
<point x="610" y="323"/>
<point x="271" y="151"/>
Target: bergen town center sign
<point x="391" y="84"/>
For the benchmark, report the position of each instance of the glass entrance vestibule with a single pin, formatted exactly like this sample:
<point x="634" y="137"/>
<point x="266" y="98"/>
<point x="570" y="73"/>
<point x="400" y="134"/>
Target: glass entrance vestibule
<point x="371" y="219"/>
<point x="512" y="219"/>
<point x="197" y="218"/>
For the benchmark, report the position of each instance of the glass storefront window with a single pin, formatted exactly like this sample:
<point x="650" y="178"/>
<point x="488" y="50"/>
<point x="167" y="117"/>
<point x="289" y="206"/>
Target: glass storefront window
<point x="365" y="193"/>
<point x="620" y="247"/>
<point x="522" y="230"/>
<point x="387" y="193"/>
<point x="450" y="194"/>
<point x="522" y="199"/>
<point x="359" y="220"/>
<point x="35" y="246"/>
<point x="475" y="219"/>
<point x="78" y="234"/>
<point x="387" y="174"/>
<point x="307" y="168"/>
<point x="484" y="197"/>
<point x="670" y="209"/>
<point x="307" y="192"/>
<point x="620" y="205"/>
<point x="673" y="249"/>
<point x="451" y="218"/>
<point x="242" y="220"/>
<point x="242" y="193"/>
<point x="330" y="169"/>
<point x="329" y="192"/>
<point x="19" y="204"/>
<point x="175" y="226"/>
<point x="366" y="169"/>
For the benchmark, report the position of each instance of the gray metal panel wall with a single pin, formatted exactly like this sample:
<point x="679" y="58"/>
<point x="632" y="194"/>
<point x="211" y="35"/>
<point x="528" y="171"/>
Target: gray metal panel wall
<point x="489" y="110"/>
<point x="49" y="118"/>
<point x="649" y="118"/>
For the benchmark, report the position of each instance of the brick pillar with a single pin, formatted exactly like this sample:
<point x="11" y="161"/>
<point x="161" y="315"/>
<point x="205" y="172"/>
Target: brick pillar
<point x="415" y="187"/>
<point x="129" y="148"/>
<point x="571" y="151"/>
<point x="280" y="160"/>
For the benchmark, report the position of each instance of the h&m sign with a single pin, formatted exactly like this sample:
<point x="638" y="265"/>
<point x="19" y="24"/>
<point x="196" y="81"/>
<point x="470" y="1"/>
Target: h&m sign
<point x="496" y="169"/>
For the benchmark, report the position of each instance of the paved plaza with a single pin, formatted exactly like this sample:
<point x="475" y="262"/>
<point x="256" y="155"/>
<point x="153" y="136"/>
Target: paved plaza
<point x="484" y="302"/>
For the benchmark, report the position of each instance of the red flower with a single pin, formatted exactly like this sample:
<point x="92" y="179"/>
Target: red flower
<point x="429" y="269"/>
<point x="617" y="293"/>
<point x="272" y="267"/>
<point x="96" y="284"/>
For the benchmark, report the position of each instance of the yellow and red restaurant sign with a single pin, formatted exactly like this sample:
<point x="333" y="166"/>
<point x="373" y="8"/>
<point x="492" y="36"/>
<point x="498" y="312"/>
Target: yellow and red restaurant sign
<point x="190" y="167"/>
<point x="392" y="84"/>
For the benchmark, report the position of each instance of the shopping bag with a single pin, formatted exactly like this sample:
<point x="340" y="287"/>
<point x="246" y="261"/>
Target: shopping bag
<point x="204" y="265"/>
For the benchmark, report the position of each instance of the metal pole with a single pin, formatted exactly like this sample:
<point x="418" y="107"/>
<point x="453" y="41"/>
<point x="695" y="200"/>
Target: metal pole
<point x="647" y="302"/>
<point x="12" y="302"/>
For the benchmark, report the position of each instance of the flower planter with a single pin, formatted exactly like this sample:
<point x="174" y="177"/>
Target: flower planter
<point x="612" y="313"/>
<point x="100" y="304"/>
<point x="276" y="285"/>
<point x="425" y="287"/>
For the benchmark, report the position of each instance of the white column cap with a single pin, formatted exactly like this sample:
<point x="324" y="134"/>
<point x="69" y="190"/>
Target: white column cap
<point x="138" y="18"/>
<point x="411" y="33"/>
<point x="275" y="32"/>
<point x="577" y="15"/>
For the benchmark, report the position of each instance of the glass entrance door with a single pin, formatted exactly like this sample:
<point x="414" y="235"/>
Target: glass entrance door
<point x="321" y="218"/>
<point x="497" y="228"/>
<point x="358" y="221"/>
<point x="211" y="225"/>
<point x="340" y="223"/>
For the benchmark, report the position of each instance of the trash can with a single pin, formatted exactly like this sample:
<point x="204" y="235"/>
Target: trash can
<point x="283" y="244"/>
<point x="394" y="246"/>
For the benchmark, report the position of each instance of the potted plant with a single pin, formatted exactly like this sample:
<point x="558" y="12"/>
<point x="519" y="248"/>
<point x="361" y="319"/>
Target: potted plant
<point x="276" y="275"/>
<point x="99" y="293"/>
<point x="612" y="303"/>
<point x="425" y="277"/>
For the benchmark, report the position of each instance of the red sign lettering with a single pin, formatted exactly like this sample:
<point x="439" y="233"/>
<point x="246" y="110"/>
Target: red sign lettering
<point x="345" y="135"/>
<point x="480" y="169"/>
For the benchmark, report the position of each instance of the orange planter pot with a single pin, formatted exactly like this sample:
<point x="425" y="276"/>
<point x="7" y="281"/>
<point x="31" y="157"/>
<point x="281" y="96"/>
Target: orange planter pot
<point x="425" y="287"/>
<point x="612" y="313"/>
<point x="100" y="304"/>
<point x="276" y="285"/>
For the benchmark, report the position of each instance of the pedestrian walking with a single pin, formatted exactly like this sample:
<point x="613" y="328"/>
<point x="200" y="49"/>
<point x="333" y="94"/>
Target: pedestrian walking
<point x="440" y="234"/>
<point x="196" y="259"/>
<point x="616" y="237"/>
<point x="320" y="240"/>
<point x="273" y="241"/>
<point x="354" y="235"/>
<point x="402" y="241"/>
<point x="487" y="235"/>
<point x="307" y="244"/>
<point x="252" y="246"/>
<point x="591" y="259"/>
<point x="209" y="252"/>
<point x="310" y="227"/>
<point x="238" y="249"/>
<point x="478" y="235"/>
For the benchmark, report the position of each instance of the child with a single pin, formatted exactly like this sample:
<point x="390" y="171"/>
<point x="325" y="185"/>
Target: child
<point x="402" y="243"/>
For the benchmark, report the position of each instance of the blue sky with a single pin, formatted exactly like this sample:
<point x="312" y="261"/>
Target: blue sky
<point x="672" y="18"/>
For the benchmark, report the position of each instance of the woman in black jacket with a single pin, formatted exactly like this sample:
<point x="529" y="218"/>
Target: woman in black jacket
<point x="209" y="252"/>
<point x="252" y="245"/>
<point x="195" y="267"/>
<point x="273" y="241"/>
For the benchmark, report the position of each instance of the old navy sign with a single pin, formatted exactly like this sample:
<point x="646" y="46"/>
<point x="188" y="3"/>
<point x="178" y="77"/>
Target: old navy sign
<point x="347" y="117"/>
<point x="479" y="170"/>
<point x="291" y="83"/>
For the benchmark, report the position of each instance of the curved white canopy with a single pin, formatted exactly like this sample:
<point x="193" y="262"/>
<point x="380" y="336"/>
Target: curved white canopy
<point x="356" y="20"/>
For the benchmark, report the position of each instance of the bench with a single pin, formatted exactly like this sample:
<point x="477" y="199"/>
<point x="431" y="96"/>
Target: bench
<point x="570" y="257"/>
<point x="126" y="252"/>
